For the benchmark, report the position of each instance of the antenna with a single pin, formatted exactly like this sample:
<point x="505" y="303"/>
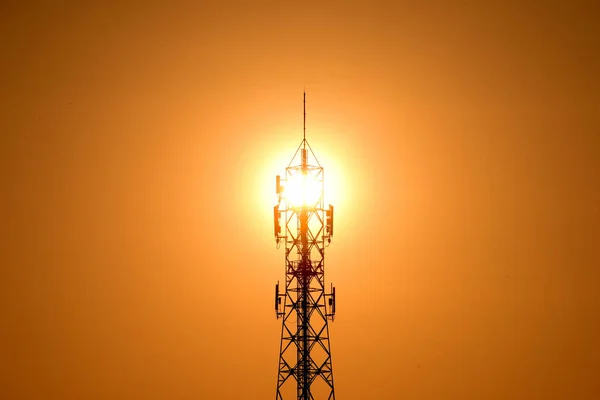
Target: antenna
<point x="304" y="118"/>
<point x="304" y="151"/>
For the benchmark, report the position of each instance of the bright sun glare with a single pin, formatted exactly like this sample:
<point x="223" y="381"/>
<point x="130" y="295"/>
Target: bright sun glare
<point x="337" y="188"/>
<point x="303" y="189"/>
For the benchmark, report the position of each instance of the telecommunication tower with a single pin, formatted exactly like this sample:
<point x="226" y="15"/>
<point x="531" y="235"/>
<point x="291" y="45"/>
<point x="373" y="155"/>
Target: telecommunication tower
<point x="305" y="227"/>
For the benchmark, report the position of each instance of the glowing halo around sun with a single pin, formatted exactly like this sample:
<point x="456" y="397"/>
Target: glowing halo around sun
<point x="257" y="180"/>
<point x="334" y="187"/>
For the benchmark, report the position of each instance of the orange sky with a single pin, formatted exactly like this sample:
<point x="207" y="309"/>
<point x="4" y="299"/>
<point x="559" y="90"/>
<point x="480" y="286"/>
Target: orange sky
<point x="139" y="145"/>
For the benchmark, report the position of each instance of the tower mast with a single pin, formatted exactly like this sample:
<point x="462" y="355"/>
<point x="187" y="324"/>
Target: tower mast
<point x="305" y="365"/>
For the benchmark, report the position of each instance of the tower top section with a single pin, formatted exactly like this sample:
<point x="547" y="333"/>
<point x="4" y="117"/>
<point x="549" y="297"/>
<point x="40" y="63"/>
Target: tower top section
<point x="304" y="156"/>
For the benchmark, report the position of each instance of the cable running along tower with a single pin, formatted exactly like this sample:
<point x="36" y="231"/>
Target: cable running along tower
<point x="305" y="227"/>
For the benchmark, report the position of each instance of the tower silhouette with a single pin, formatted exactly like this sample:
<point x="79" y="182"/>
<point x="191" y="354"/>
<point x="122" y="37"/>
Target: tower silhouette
<point x="305" y="227"/>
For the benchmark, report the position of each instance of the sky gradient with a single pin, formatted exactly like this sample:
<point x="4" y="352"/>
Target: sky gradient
<point x="139" y="144"/>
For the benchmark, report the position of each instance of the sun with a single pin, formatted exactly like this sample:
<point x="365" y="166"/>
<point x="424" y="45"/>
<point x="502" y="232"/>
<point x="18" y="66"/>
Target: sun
<point x="303" y="188"/>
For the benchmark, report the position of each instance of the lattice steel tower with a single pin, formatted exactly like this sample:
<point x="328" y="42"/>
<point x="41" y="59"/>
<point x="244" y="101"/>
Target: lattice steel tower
<point x="305" y="368"/>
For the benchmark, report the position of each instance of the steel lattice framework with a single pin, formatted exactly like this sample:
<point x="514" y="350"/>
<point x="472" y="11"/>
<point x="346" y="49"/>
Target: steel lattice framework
<point x="305" y="366"/>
